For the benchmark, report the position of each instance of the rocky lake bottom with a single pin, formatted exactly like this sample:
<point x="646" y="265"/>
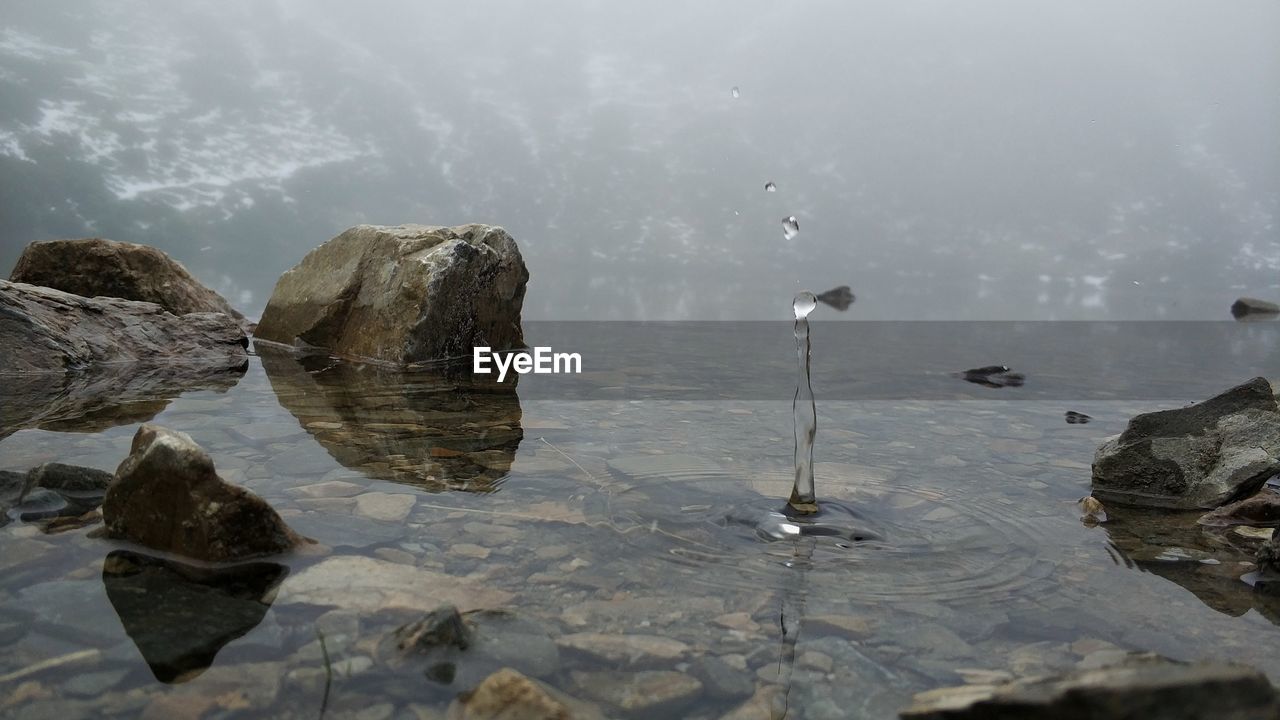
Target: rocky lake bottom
<point x="588" y="541"/>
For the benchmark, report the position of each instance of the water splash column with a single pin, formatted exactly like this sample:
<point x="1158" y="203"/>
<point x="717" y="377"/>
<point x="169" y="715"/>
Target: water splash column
<point x="803" y="500"/>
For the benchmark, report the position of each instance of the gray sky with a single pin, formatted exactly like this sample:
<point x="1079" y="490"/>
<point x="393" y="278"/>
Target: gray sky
<point x="978" y="160"/>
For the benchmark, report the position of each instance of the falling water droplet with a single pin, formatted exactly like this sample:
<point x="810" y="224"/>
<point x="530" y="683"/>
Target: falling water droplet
<point x="770" y="187"/>
<point x="735" y="92"/>
<point x="804" y="304"/>
<point x="790" y="227"/>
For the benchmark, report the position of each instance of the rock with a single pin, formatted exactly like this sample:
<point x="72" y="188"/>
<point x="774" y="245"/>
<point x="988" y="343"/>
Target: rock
<point x="403" y="294"/>
<point x="648" y="693"/>
<point x="1077" y="418"/>
<point x="768" y="703"/>
<point x="46" y="330"/>
<point x="168" y="496"/>
<point x="52" y="490"/>
<point x="1261" y="510"/>
<point x="442" y="627"/>
<point x="1266" y="579"/>
<point x="1197" y="457"/>
<point x="508" y="695"/>
<point x="385" y="507"/>
<point x="625" y="650"/>
<point x="1140" y="686"/>
<point x="368" y="585"/>
<point x="720" y="679"/>
<point x="1251" y="306"/>
<point x="94" y="267"/>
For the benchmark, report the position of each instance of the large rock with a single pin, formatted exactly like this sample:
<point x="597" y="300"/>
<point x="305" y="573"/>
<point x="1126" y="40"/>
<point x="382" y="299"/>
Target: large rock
<point x="1197" y="457"/>
<point x="402" y="294"/>
<point x="1139" y="686"/>
<point x="1252" y="306"/>
<point x="47" y="330"/>
<point x="166" y="495"/>
<point x="95" y="266"/>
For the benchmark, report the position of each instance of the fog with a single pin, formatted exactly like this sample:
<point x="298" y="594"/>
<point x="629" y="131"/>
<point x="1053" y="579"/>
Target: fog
<point x="948" y="161"/>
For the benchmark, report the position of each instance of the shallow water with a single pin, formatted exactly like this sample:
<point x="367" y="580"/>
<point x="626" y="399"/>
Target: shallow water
<point x="611" y="516"/>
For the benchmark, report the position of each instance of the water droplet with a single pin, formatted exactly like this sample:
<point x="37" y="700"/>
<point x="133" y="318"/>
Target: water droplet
<point x="790" y="227"/>
<point x="804" y="304"/>
<point x="770" y="187"/>
<point x="1135" y="282"/>
<point x="735" y="92"/>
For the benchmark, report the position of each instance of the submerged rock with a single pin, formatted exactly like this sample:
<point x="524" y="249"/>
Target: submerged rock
<point x="1138" y="686"/>
<point x="1197" y="457"/>
<point x="1261" y="510"/>
<point x="93" y="267"/>
<point x="1245" y="307"/>
<point x="167" y="496"/>
<point x="508" y="695"/>
<point x="46" y="330"/>
<point x="1266" y="579"/>
<point x="403" y="294"/>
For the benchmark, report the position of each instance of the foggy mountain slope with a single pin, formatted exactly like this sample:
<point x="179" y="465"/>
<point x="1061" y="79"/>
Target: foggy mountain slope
<point x="950" y="163"/>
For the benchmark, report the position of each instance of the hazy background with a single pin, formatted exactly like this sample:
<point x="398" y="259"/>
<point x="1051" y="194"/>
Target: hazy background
<point x="948" y="160"/>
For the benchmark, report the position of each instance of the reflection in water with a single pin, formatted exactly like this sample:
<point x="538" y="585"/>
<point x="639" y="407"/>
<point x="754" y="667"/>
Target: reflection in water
<point x="440" y="429"/>
<point x="103" y="397"/>
<point x="180" y="615"/>
<point x="1207" y="561"/>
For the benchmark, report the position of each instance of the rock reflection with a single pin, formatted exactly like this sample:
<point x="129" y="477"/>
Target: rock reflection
<point x="103" y="397"/>
<point x="438" y="429"/>
<point x="1209" y="562"/>
<point x="180" y="616"/>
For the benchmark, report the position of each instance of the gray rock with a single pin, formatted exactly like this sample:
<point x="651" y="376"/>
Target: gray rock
<point x="403" y="294"/>
<point x="1140" y="686"/>
<point x="722" y="681"/>
<point x="103" y="361"/>
<point x="43" y="330"/>
<point x="93" y="267"/>
<point x="644" y="694"/>
<point x="1261" y="510"/>
<point x="168" y="496"/>
<point x="1252" y="306"/>
<point x="1197" y="457"/>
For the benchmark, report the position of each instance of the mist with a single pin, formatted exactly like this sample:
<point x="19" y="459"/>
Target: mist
<point x="948" y="161"/>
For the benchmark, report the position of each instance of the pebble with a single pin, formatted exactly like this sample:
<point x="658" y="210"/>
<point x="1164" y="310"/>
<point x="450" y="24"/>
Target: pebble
<point x="645" y="693"/>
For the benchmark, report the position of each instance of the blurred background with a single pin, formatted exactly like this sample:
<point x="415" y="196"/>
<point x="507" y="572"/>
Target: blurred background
<point x="985" y="160"/>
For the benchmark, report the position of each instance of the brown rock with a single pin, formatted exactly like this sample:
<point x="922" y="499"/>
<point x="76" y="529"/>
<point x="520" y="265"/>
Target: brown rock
<point x="95" y="267"/>
<point x="508" y="695"/>
<point x="648" y="693"/>
<point x="167" y="496"/>
<point x="44" y="330"/>
<point x="1138" y="686"/>
<point x="403" y="294"/>
<point x="1261" y="510"/>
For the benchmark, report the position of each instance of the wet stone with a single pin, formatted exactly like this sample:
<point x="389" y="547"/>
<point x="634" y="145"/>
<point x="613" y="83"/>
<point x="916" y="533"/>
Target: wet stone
<point x="625" y="650"/>
<point x="721" y="680"/>
<point x="648" y="693"/>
